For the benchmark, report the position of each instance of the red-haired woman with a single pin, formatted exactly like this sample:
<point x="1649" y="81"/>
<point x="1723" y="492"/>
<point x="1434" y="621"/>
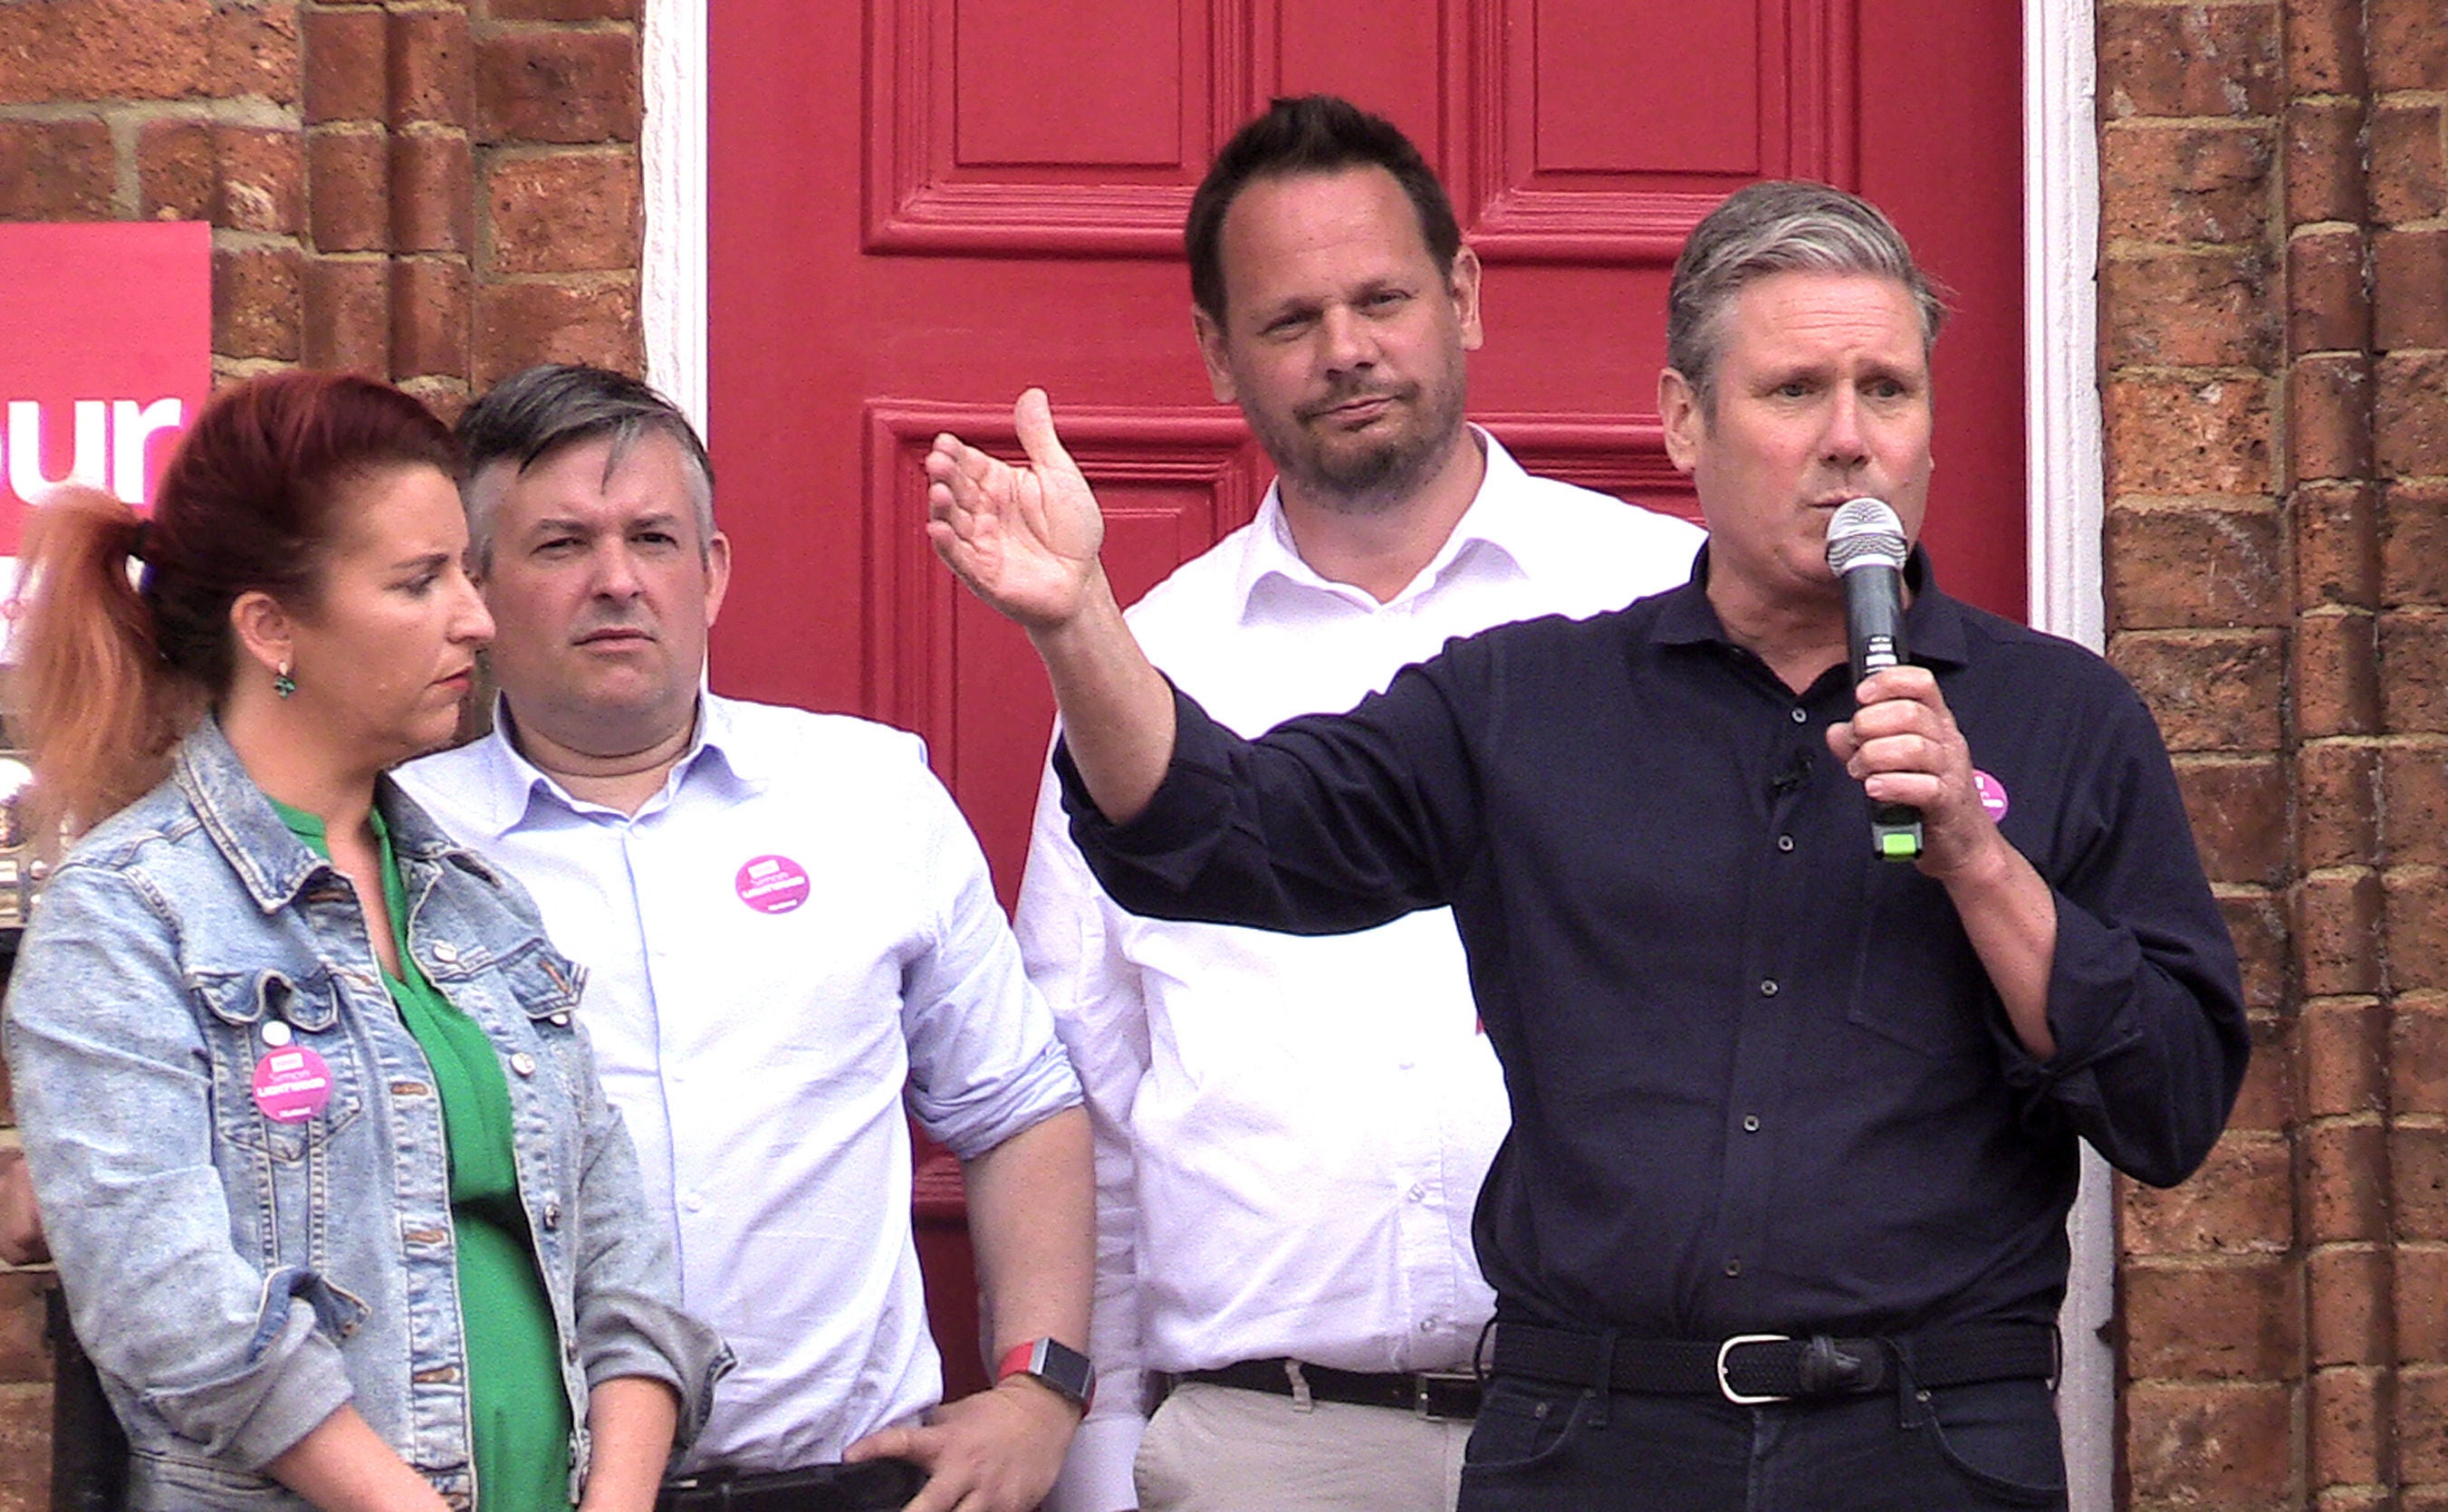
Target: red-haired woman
<point x="339" y="1208"/>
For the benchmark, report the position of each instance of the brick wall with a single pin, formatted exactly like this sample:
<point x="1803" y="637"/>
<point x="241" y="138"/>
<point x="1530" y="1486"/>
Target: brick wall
<point x="2274" y="306"/>
<point x="437" y="191"/>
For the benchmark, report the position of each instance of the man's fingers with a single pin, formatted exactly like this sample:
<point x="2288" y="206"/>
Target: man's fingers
<point x="1034" y="417"/>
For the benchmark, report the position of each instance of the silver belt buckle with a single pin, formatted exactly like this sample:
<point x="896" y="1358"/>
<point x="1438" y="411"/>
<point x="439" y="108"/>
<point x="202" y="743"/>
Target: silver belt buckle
<point x="1423" y="1379"/>
<point x="1739" y="1398"/>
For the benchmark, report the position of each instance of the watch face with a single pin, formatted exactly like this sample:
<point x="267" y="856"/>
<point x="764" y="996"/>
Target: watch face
<point x="1060" y="1367"/>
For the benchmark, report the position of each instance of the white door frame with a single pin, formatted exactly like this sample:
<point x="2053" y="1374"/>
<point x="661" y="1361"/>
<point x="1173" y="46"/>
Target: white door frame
<point x="2061" y="343"/>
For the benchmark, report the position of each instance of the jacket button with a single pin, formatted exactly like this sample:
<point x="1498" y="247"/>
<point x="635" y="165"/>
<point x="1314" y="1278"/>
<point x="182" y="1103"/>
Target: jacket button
<point x="552" y="1214"/>
<point x="445" y="951"/>
<point x="523" y="1062"/>
<point x="561" y="1020"/>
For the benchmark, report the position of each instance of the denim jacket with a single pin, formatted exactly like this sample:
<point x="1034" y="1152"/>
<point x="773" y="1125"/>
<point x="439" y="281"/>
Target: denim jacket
<point x="238" y="1279"/>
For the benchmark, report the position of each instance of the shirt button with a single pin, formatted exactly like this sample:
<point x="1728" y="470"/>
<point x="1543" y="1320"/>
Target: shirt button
<point x="1785" y="843"/>
<point x="1427" y="1325"/>
<point x="445" y="952"/>
<point x="1419" y="1193"/>
<point x="1768" y="987"/>
<point x="696" y="1203"/>
<point x="1799" y="717"/>
<point x="1733" y="1265"/>
<point x="1750" y="1122"/>
<point x="523" y="1062"/>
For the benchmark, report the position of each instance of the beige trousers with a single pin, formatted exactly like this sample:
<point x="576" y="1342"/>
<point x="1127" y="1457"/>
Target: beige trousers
<point x="1213" y="1449"/>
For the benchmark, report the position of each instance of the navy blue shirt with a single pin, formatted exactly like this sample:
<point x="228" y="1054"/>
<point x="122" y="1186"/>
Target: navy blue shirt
<point x="1760" y="1081"/>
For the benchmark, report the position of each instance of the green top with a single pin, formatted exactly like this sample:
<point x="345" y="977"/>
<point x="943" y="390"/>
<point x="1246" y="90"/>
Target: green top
<point x="517" y="1407"/>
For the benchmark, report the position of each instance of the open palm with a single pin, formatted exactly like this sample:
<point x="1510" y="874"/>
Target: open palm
<point x="1024" y="538"/>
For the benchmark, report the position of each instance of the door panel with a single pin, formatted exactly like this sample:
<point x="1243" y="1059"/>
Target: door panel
<point x="921" y="206"/>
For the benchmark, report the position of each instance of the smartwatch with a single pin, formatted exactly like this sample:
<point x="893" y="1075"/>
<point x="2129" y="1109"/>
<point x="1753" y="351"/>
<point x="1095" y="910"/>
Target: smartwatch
<point x="1056" y="1365"/>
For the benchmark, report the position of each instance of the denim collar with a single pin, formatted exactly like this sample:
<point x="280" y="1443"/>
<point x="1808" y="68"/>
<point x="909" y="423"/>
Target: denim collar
<point x="275" y="864"/>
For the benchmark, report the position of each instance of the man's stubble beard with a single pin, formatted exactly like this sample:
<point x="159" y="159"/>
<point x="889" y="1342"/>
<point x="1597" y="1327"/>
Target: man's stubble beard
<point x="1373" y="479"/>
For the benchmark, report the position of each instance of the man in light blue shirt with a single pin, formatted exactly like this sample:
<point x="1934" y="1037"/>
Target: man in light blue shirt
<point x="787" y="924"/>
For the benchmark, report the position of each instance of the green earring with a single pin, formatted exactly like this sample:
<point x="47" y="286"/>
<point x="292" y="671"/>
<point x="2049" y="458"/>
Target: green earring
<point x="282" y="683"/>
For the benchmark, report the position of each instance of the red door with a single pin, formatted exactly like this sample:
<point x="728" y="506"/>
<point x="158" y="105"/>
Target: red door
<point x="921" y="206"/>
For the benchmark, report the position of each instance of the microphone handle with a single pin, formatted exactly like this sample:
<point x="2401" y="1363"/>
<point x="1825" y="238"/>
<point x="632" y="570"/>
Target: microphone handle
<point x="1874" y="638"/>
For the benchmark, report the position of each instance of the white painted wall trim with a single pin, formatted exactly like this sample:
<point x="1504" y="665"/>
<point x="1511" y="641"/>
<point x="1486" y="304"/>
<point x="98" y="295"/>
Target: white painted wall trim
<point x="671" y="285"/>
<point x="2061" y="354"/>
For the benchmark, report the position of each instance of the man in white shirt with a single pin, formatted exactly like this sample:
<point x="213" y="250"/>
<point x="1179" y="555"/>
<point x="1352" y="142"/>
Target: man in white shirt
<point x="787" y="924"/>
<point x="1292" y="1132"/>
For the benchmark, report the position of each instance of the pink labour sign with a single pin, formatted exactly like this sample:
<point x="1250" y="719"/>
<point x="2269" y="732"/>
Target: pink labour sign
<point x="772" y="884"/>
<point x="292" y="1085"/>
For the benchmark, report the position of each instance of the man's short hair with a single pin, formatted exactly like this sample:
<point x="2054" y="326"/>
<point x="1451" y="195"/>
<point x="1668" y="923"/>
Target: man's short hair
<point x="530" y="415"/>
<point x="1312" y="134"/>
<point x="1783" y="225"/>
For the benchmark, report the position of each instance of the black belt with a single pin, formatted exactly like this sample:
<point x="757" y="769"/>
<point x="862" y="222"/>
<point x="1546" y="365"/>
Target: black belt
<point x="1753" y="1368"/>
<point x="1436" y="1395"/>
<point x="875" y="1485"/>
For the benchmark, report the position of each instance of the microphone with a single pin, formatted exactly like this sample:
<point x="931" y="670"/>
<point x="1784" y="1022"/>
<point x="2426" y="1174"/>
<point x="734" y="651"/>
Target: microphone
<point x="1866" y="547"/>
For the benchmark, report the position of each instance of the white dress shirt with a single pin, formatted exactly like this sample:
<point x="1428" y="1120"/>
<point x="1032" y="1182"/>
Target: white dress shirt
<point x="797" y="927"/>
<point x="1291" y="1132"/>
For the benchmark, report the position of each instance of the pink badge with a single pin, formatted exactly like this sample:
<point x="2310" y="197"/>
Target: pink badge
<point x="1993" y="794"/>
<point x="772" y="884"/>
<point x="292" y="1085"/>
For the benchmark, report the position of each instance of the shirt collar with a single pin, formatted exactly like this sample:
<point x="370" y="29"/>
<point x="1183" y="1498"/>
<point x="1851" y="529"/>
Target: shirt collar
<point x="1498" y="526"/>
<point x="1934" y="624"/>
<point x="513" y="785"/>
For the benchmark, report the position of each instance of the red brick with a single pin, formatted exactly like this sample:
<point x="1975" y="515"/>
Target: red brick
<point x="567" y="86"/>
<point x="2186" y="567"/>
<point x="2414" y="647"/>
<point x="2241" y="1202"/>
<point x="352" y="195"/>
<point x="2416" y="920"/>
<point x="2239" y="812"/>
<point x="432" y="67"/>
<point x="2186" y="436"/>
<point x="2407" y="174"/>
<point x="2338" y="921"/>
<point x="2324" y="161"/>
<point x="2410" y="289"/>
<point x="2184" y="183"/>
<point x="2346" y="1183"/>
<point x="176" y="175"/>
<point x="2266" y="1102"/>
<point x="566" y="10"/>
<point x="2337" y="545"/>
<point x="348" y="315"/>
<point x="2414" y="781"/>
<point x="2214" y="1446"/>
<point x="2337" y="674"/>
<point x="2410" y="413"/>
<point x="2422" y="1304"/>
<point x="2328" y="305"/>
<point x="24" y="1356"/>
<point x="433" y="192"/>
<point x="2210" y="689"/>
<point x="2189" y="61"/>
<point x="2409" y="45"/>
<point x="345" y="68"/>
<point x="2257" y="922"/>
<point x="564" y="212"/>
<point x="2213" y="1321"/>
<point x="56" y="170"/>
<point x="256" y="51"/>
<point x="2188" y="308"/>
<point x="431" y="302"/>
<point x="2337" y="803"/>
<point x="523" y="323"/>
<point x="2348" y="1296"/>
<point x="2346" y="1048"/>
<point x="2346" y="1427"/>
<point x="256" y="302"/>
<point x="2422" y="1425"/>
<point x="2324" y="46"/>
<point x="2328" y="416"/>
<point x="259" y="180"/>
<point x="2418" y="1056"/>
<point x="25" y="1448"/>
<point x="2414" y="543"/>
<point x="79" y="49"/>
<point x="2419" y="1172"/>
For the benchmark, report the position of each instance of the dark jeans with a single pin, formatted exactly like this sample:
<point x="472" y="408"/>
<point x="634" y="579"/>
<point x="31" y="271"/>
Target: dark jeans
<point x="1540" y="1446"/>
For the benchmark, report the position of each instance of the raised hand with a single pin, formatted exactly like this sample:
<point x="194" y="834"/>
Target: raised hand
<point x="1024" y="539"/>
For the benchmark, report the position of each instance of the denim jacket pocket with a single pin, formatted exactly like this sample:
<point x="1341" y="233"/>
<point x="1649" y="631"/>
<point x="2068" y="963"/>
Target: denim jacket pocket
<point x="242" y="1006"/>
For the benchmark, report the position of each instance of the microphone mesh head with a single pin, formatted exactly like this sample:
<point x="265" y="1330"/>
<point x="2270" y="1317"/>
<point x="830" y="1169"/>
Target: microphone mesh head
<point x="1865" y="533"/>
